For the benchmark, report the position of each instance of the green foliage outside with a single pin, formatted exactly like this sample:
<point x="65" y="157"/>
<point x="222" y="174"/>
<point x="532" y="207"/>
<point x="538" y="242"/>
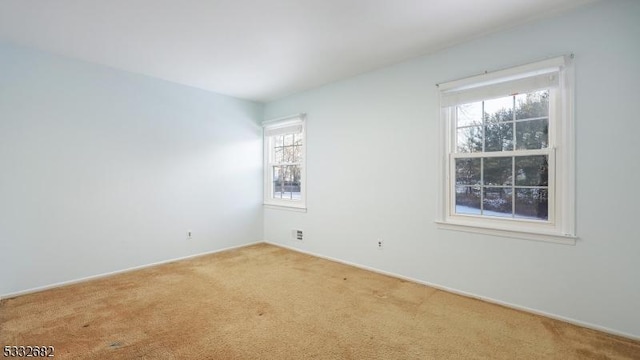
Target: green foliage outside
<point x="493" y="180"/>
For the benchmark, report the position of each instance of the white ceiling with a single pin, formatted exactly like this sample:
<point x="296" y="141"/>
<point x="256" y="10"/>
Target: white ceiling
<point x="258" y="49"/>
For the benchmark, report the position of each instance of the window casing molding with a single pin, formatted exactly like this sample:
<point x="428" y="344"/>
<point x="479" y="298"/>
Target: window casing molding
<point x="294" y="124"/>
<point x="555" y="74"/>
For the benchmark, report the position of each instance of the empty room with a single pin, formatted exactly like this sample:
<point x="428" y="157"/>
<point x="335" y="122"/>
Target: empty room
<point x="319" y="179"/>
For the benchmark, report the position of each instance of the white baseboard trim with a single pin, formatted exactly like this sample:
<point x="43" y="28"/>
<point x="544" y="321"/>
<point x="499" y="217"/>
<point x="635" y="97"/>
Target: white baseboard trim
<point x="99" y="276"/>
<point x="469" y="295"/>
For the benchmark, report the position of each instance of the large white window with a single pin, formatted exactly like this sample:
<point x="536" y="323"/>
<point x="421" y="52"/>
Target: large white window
<point x="508" y="152"/>
<point x="284" y="162"/>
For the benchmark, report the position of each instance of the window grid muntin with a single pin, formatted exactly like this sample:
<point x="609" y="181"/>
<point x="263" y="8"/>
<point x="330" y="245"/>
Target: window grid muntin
<point x="515" y="152"/>
<point x="481" y="185"/>
<point x="278" y="142"/>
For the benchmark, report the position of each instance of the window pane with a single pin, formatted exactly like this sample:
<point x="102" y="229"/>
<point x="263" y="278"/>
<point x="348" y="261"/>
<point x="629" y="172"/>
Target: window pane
<point x="279" y="141"/>
<point x="468" y="200"/>
<point x="297" y="154"/>
<point x="468" y="171"/>
<point x="288" y="154"/>
<point x="532" y="170"/>
<point x="497" y="171"/>
<point x="533" y="134"/>
<point x="498" y="136"/>
<point x="296" y="180"/>
<point x="469" y="139"/>
<point x="278" y="154"/>
<point x="278" y="182"/>
<point x="469" y="114"/>
<point x="497" y="202"/>
<point x="288" y="139"/>
<point x="287" y="182"/>
<point x="532" y="203"/>
<point x="532" y="105"/>
<point x="500" y="109"/>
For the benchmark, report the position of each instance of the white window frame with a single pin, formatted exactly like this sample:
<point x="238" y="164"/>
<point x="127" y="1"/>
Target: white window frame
<point x="297" y="121"/>
<point x="560" y="226"/>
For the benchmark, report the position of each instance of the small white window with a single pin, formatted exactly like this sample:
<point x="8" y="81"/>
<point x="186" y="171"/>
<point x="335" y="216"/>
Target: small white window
<point x="508" y="152"/>
<point x="284" y="162"/>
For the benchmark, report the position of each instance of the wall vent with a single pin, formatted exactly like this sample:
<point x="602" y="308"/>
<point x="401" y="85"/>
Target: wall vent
<point x="296" y="234"/>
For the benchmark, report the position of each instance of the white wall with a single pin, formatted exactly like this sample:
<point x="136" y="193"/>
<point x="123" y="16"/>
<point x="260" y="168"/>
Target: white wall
<point x="372" y="153"/>
<point x="102" y="170"/>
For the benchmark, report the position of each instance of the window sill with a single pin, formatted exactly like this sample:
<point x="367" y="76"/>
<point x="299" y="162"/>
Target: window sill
<point x="510" y="233"/>
<point x="286" y="207"/>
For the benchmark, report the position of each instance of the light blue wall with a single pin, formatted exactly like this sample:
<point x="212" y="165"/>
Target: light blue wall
<point x="103" y="170"/>
<point x="372" y="161"/>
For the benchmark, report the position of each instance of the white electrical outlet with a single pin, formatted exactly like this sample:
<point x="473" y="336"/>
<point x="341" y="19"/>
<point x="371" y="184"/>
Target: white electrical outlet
<point x="380" y="244"/>
<point x="188" y="234"/>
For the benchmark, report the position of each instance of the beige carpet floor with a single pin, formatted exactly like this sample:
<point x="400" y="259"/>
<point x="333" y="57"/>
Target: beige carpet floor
<point x="265" y="302"/>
